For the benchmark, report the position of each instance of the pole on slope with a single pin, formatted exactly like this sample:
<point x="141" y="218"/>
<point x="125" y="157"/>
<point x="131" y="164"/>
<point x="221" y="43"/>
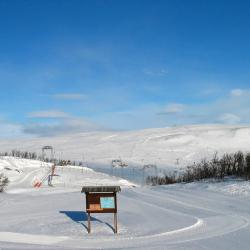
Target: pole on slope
<point x="89" y="224"/>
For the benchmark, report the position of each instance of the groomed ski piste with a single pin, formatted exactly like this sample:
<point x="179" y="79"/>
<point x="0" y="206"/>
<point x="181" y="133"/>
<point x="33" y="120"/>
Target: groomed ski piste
<point x="200" y="215"/>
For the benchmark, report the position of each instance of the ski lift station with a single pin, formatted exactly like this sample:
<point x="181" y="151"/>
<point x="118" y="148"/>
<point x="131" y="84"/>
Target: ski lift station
<point x="47" y="154"/>
<point x="47" y="151"/>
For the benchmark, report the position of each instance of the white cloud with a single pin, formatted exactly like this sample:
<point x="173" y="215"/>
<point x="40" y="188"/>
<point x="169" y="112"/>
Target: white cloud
<point x="209" y="91"/>
<point x="224" y="110"/>
<point x="229" y="118"/>
<point x="49" y="114"/>
<point x="156" y="72"/>
<point x="172" y="108"/>
<point x="57" y="122"/>
<point x="237" y="92"/>
<point x="66" y="126"/>
<point x="70" y="96"/>
<point x="10" y="130"/>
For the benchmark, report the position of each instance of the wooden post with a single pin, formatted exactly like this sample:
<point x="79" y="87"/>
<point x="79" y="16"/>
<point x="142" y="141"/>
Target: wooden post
<point x="115" y="214"/>
<point x="115" y="222"/>
<point x="87" y="202"/>
<point x="89" y="226"/>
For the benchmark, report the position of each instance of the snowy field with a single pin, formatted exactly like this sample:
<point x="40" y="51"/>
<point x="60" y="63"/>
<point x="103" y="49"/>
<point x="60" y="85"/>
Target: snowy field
<point x="203" y="215"/>
<point x="171" y="147"/>
<point x="172" y="217"/>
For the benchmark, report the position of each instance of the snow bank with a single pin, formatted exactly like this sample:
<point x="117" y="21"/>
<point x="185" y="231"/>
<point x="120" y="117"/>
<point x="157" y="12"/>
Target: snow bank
<point x="229" y="186"/>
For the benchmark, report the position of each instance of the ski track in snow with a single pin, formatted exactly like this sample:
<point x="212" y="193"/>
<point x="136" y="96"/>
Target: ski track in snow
<point x="30" y="239"/>
<point x="26" y="177"/>
<point x="160" y="217"/>
<point x="202" y="228"/>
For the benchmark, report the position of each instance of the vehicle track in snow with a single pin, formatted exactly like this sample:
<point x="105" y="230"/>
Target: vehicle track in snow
<point x="207" y="227"/>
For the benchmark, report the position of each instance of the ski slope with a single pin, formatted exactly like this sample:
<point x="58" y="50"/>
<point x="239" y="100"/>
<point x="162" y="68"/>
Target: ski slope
<point x="23" y="174"/>
<point x="203" y="215"/>
<point x="164" y="147"/>
<point x="171" y="217"/>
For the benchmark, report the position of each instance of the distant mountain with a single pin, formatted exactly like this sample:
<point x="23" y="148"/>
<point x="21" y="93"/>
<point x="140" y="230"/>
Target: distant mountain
<point x="171" y="146"/>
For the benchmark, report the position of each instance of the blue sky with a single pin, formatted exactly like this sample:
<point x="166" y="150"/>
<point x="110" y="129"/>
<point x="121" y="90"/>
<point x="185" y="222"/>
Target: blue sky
<point x="72" y="66"/>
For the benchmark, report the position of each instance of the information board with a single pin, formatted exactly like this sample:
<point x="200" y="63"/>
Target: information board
<point x="101" y="199"/>
<point x="107" y="202"/>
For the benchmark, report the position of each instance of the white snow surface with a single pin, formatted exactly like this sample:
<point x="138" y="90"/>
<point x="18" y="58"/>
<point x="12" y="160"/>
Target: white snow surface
<point x="24" y="173"/>
<point x="201" y="215"/>
<point x="180" y="216"/>
<point x="161" y="146"/>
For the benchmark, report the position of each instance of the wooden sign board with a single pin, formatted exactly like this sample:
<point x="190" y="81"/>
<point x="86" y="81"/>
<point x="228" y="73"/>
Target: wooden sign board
<point x="101" y="199"/>
<point x="101" y="203"/>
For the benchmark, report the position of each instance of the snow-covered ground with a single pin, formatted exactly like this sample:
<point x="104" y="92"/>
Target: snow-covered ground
<point x="164" y="147"/>
<point x="170" y="217"/>
<point x="202" y="215"/>
<point x="23" y="174"/>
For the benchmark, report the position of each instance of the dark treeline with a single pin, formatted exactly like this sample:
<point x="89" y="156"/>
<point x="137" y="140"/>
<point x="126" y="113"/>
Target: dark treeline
<point x="237" y="165"/>
<point x="35" y="156"/>
<point x="21" y="154"/>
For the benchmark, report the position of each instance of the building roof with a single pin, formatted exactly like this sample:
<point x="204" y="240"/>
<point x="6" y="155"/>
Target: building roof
<point x="100" y="189"/>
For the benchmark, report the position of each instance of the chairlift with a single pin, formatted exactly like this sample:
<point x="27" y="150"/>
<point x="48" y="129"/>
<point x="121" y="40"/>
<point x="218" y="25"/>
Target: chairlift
<point x="47" y="148"/>
<point x="118" y="163"/>
<point x="149" y="166"/>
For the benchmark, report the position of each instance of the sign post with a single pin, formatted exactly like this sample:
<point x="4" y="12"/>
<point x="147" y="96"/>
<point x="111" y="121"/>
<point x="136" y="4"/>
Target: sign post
<point x="101" y="199"/>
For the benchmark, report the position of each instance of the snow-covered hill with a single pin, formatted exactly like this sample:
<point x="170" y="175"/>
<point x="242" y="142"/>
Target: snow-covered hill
<point x="164" y="146"/>
<point x="201" y="215"/>
<point x="23" y="174"/>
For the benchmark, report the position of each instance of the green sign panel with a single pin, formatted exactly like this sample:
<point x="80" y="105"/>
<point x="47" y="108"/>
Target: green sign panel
<point x="107" y="202"/>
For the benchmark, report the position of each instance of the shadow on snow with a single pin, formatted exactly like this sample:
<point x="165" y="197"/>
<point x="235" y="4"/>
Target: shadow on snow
<point x="81" y="217"/>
